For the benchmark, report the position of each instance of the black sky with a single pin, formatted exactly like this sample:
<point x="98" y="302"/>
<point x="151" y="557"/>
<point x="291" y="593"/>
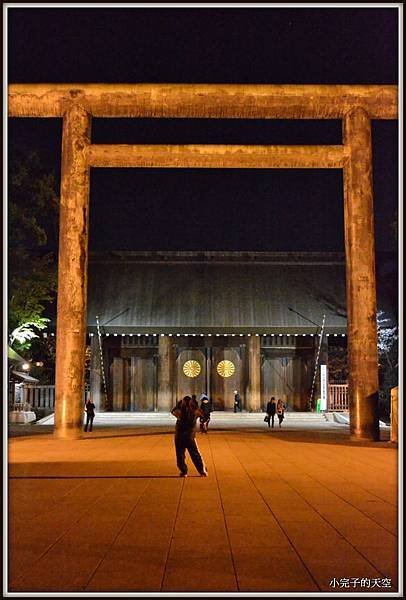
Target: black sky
<point x="146" y="209"/>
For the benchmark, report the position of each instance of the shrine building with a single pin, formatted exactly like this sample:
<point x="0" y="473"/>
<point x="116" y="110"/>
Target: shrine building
<point x="165" y="324"/>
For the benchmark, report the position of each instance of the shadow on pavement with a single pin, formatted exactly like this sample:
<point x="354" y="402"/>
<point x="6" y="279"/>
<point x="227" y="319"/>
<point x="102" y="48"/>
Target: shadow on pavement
<point x="335" y="435"/>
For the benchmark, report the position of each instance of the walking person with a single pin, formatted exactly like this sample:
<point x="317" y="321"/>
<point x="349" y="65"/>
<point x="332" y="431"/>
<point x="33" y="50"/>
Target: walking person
<point x="90" y="411"/>
<point x="270" y="411"/>
<point x="186" y="415"/>
<point x="280" y="411"/>
<point x="206" y="410"/>
<point x="237" y="401"/>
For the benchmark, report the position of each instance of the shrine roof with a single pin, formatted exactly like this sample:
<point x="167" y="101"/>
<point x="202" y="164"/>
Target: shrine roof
<point x="217" y="292"/>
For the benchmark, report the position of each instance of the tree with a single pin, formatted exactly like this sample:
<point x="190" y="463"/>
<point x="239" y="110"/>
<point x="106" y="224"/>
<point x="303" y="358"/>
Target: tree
<point x="32" y="220"/>
<point x="337" y="363"/>
<point x="388" y="360"/>
<point x="43" y="354"/>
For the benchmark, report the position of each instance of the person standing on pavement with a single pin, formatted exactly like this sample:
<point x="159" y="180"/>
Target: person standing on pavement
<point x="206" y="410"/>
<point x="90" y="411"/>
<point x="270" y="411"/>
<point x="237" y="401"/>
<point x="280" y="411"/>
<point x="186" y="415"/>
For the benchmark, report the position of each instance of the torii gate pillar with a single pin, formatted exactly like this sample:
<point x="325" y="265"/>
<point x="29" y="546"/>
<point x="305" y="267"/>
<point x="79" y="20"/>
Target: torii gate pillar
<point x="72" y="274"/>
<point x="361" y="282"/>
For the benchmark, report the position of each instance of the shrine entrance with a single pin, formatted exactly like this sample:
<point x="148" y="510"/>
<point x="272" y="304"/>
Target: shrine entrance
<point x="355" y="105"/>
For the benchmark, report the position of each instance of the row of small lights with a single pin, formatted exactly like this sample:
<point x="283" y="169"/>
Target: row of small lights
<point x="220" y="334"/>
<point x="217" y="334"/>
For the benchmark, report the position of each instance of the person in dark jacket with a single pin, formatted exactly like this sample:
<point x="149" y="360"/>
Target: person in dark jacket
<point x="270" y="411"/>
<point x="237" y="401"/>
<point x="90" y="411"/>
<point x="187" y="413"/>
<point x="206" y="410"/>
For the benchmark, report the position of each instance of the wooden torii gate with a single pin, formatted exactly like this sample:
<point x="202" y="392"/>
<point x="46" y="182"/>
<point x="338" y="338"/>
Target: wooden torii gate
<point x="355" y="105"/>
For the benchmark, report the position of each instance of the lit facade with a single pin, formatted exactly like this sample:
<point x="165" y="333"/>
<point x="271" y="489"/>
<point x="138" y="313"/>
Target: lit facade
<point x="176" y="323"/>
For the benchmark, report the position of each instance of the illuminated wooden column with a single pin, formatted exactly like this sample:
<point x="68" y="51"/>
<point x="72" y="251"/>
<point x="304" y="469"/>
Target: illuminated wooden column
<point x="394" y="413"/>
<point x="360" y="272"/>
<point x="165" y="374"/>
<point x="209" y="361"/>
<point x="72" y="274"/>
<point x="254" y="373"/>
<point x="119" y="384"/>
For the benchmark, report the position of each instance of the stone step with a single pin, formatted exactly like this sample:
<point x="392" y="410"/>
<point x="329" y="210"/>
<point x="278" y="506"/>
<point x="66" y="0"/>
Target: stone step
<point x="167" y="418"/>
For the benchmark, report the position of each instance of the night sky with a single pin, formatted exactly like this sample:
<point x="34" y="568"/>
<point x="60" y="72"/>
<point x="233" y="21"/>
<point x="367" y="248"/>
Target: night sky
<point x="200" y="209"/>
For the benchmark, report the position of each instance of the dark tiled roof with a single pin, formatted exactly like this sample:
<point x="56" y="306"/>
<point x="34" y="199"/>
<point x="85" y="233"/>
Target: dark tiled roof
<point x="216" y="291"/>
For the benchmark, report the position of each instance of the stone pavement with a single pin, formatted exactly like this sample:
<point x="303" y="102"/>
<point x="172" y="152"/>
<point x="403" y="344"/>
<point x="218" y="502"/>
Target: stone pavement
<point x="281" y="511"/>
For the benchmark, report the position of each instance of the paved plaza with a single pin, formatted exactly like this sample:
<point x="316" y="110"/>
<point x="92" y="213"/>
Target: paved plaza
<point x="290" y="510"/>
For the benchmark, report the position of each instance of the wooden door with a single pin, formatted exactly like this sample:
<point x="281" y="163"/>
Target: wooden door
<point x="190" y="373"/>
<point x="120" y="384"/>
<point x="285" y="377"/>
<point x="226" y="377"/>
<point x="142" y="384"/>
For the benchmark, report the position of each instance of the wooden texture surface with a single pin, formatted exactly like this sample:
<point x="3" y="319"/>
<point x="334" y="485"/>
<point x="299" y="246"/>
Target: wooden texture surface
<point x="217" y="156"/>
<point x="361" y="280"/>
<point x="241" y="101"/>
<point x="72" y="273"/>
